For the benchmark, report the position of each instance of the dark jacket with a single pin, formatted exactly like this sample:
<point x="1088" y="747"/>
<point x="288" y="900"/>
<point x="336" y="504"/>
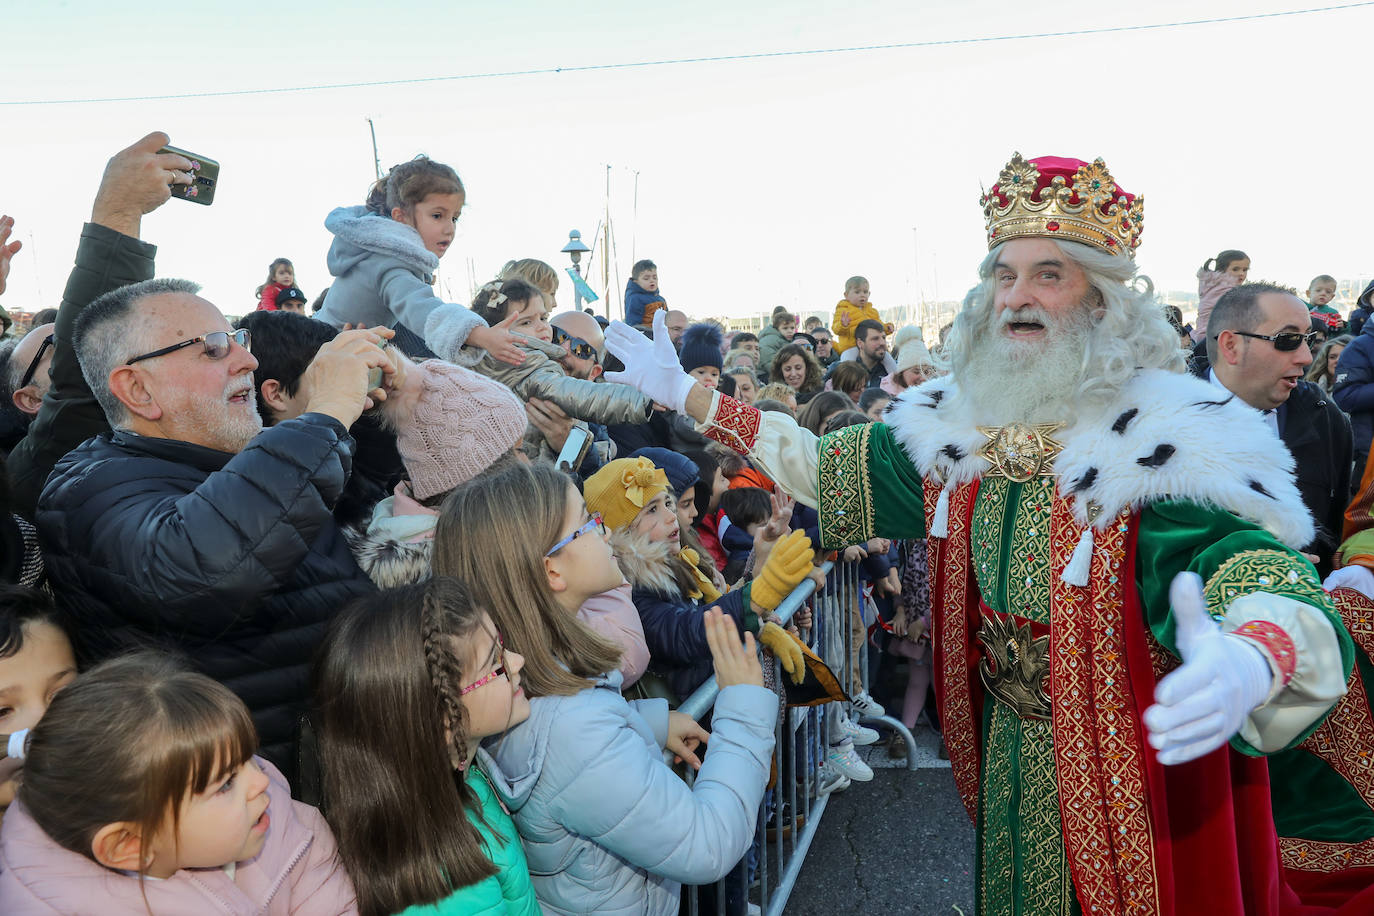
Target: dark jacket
<point x="233" y="560"/>
<point x="1364" y="305"/>
<point x="105" y="260"/>
<point x="1353" y="391"/>
<point x="1318" y="436"/>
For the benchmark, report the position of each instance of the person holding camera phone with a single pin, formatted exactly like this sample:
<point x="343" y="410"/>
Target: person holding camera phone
<point x="188" y="527"/>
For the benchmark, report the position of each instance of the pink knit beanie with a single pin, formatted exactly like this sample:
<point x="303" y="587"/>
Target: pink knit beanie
<point x="462" y="423"/>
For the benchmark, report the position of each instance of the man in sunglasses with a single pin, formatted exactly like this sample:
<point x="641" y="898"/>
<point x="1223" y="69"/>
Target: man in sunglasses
<point x="25" y="376"/>
<point x="1257" y="345"/>
<point x="580" y="335"/>
<point x="190" y="527"/>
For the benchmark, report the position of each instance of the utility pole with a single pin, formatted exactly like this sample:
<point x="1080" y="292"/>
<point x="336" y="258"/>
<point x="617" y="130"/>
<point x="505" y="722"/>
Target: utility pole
<point x="376" y="160"/>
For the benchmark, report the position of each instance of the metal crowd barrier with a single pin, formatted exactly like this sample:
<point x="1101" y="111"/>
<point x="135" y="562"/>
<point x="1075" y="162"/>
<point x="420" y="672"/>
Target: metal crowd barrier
<point x="764" y="880"/>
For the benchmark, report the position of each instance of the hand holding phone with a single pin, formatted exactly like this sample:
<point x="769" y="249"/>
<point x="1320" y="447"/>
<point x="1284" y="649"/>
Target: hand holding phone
<point x="204" y="175"/>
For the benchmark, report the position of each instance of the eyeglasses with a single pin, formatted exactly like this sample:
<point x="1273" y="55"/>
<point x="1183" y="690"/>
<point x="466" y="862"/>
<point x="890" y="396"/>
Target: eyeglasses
<point x="576" y="345"/>
<point x="499" y="672"/>
<point x="592" y="523"/>
<point x="33" y="365"/>
<point x="216" y="345"/>
<point x="1286" y="342"/>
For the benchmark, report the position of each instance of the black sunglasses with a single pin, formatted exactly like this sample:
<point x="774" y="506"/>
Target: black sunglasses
<point x="33" y="365"/>
<point x="217" y="345"/>
<point x="576" y="345"/>
<point x="1286" y="342"/>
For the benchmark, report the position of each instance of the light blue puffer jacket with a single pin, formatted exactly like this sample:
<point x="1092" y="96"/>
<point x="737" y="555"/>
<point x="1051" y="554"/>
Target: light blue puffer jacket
<point x="607" y="827"/>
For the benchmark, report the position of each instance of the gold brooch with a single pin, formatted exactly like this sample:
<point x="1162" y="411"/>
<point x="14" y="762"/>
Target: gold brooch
<point x="1021" y="452"/>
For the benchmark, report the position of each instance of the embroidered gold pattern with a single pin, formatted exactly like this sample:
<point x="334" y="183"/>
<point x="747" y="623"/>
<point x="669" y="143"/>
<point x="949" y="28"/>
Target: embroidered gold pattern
<point x="1047" y="878"/>
<point x="846" y="496"/>
<point x="996" y="872"/>
<point x="1020" y="452"/>
<point x="951" y="595"/>
<point x="1345" y="741"/>
<point x="1276" y="571"/>
<point x="1028" y="560"/>
<point x="735" y="425"/>
<point x="1098" y="741"/>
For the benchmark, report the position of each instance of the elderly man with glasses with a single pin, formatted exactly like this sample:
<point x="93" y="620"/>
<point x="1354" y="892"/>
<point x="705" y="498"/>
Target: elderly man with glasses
<point x="25" y="376"/>
<point x="188" y="526"/>
<point x="1257" y="345"/>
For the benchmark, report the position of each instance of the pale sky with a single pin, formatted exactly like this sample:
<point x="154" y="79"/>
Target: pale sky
<point x="761" y="182"/>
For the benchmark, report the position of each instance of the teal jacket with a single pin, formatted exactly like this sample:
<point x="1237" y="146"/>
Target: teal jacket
<point x="506" y="893"/>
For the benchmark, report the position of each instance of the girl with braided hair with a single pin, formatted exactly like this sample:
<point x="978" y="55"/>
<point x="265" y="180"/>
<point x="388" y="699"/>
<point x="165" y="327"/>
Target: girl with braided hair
<point x="409" y="680"/>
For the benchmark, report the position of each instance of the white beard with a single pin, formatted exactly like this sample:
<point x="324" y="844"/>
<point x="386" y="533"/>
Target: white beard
<point x="1010" y="380"/>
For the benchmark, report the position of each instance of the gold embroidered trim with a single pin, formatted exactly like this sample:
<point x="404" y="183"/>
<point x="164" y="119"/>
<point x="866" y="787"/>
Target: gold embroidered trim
<point x="1275" y="571"/>
<point x="846" y="496"/>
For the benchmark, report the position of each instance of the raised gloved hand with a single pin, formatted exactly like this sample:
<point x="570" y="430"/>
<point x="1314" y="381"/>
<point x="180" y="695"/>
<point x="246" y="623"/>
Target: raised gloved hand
<point x="785" y="649"/>
<point x="1222" y="680"/>
<point x="1357" y="577"/>
<point x="788" y="563"/>
<point x="650" y="365"/>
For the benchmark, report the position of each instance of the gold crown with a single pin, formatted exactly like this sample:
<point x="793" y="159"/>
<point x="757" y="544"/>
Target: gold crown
<point x="1069" y="199"/>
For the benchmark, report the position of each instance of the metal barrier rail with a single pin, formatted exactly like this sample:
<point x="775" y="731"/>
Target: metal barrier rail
<point x="779" y="851"/>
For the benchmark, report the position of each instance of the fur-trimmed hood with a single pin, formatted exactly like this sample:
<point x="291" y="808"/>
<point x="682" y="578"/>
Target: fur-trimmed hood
<point x="646" y="565"/>
<point x="397" y="547"/>
<point x="1168" y="436"/>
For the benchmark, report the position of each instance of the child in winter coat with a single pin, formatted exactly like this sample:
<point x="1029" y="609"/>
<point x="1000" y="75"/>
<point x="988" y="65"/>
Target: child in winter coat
<point x="141" y="795"/>
<point x="642" y="296"/>
<point x="409" y="682"/>
<point x="384" y="257"/>
<point x="281" y="275"/>
<point x="517" y="305"/>
<point x="606" y="825"/>
<point x="637" y="505"/>
<point x="1227" y="271"/>
<point x="850" y="310"/>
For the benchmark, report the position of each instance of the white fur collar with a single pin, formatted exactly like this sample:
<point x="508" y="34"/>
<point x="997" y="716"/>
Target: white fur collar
<point x="1168" y="436"/>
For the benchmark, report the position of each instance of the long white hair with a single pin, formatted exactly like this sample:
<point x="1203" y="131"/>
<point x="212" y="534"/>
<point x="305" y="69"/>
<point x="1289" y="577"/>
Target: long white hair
<point x="1125" y="331"/>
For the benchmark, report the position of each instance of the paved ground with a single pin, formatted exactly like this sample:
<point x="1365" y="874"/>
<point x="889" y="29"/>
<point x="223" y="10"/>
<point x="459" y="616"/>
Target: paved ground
<point x="899" y="844"/>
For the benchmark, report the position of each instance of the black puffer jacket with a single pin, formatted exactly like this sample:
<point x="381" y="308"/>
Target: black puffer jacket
<point x="234" y="560"/>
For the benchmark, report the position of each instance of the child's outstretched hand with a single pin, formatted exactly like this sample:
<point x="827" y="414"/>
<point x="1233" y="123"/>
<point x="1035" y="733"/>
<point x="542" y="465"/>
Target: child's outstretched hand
<point x="685" y="735"/>
<point x="736" y="662"/>
<point x="844" y="319"/>
<point x="8" y="249"/>
<point x="499" y="341"/>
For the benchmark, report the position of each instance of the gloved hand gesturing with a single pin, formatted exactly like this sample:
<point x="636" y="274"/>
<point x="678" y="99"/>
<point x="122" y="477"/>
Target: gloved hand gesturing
<point x="786" y="649"/>
<point x="789" y="562"/>
<point x="1222" y="680"/>
<point x="650" y="365"/>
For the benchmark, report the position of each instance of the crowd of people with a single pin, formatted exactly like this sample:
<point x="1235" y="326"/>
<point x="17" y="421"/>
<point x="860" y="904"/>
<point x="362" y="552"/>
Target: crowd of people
<point x="389" y="609"/>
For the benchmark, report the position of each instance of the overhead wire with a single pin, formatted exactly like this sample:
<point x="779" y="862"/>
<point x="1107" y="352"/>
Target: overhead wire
<point x="710" y="59"/>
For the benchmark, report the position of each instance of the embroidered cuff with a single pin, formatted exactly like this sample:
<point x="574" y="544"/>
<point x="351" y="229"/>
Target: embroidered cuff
<point x="733" y="424"/>
<point x="1277" y="648"/>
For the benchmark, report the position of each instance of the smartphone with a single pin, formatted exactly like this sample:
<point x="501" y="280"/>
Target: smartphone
<point x="374" y="378"/>
<point x="204" y="178"/>
<point x="574" y="450"/>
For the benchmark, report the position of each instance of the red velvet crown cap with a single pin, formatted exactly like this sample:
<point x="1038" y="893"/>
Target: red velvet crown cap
<point x="1052" y="166"/>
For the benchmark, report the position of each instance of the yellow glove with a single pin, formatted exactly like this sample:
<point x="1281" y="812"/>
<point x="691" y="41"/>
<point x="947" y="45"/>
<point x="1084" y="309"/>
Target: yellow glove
<point x="785" y="650"/>
<point x="788" y="563"/>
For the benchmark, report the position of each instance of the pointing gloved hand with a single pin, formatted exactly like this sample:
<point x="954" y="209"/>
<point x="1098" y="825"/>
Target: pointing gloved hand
<point x="650" y="365"/>
<point x="1223" y="678"/>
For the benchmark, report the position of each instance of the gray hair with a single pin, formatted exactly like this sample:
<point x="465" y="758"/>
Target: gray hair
<point x="1129" y="330"/>
<point x="108" y="333"/>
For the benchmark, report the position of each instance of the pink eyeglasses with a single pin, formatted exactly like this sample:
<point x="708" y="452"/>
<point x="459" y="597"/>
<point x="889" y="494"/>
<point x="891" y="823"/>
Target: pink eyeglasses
<point x="499" y="672"/>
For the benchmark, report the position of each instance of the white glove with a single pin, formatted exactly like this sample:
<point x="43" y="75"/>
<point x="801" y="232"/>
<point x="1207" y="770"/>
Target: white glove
<point x="1222" y="680"/>
<point x="1357" y="577"/>
<point x="650" y="365"/>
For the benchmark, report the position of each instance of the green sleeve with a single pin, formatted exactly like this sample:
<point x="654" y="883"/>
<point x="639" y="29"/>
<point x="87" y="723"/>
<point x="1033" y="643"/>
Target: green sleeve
<point x="1234" y="558"/>
<point x="868" y="488"/>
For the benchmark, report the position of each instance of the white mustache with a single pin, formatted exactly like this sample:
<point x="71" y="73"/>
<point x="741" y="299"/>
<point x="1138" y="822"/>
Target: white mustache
<point x="1028" y="314"/>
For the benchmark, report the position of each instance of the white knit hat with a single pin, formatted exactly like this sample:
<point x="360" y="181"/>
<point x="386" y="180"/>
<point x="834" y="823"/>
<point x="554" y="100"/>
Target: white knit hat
<point x="913" y="354"/>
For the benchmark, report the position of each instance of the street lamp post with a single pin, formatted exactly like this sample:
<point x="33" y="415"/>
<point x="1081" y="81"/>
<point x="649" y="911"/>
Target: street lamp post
<point x="575" y="249"/>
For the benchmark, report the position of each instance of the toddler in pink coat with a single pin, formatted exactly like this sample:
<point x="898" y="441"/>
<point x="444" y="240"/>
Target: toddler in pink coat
<point x="141" y="795"/>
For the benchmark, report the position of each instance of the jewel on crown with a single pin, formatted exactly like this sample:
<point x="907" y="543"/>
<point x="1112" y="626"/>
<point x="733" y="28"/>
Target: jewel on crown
<point x="1063" y="198"/>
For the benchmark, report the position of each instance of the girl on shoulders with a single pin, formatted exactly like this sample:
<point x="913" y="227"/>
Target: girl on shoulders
<point x="385" y="254"/>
